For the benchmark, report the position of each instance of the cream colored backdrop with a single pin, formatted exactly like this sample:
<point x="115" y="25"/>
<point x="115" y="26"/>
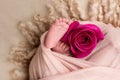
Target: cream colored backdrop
<point x="11" y="12"/>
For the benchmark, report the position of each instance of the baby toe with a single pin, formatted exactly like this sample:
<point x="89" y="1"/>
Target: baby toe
<point x="67" y="21"/>
<point x="60" y="19"/>
<point x="63" y="20"/>
<point x="70" y="21"/>
<point x="64" y="47"/>
<point x="57" y="20"/>
<point x="61" y="45"/>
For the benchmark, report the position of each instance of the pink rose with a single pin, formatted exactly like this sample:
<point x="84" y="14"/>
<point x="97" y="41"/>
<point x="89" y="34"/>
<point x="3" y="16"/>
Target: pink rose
<point x="82" y="39"/>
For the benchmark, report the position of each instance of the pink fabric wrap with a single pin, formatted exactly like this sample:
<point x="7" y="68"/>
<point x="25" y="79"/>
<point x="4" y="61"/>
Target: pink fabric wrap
<point x="102" y="64"/>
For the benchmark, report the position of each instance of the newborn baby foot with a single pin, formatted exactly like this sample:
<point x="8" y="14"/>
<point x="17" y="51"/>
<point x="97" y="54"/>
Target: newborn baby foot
<point x="56" y="32"/>
<point x="61" y="48"/>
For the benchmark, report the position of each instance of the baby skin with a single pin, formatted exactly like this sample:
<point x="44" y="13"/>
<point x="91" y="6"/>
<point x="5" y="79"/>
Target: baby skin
<point x="55" y="33"/>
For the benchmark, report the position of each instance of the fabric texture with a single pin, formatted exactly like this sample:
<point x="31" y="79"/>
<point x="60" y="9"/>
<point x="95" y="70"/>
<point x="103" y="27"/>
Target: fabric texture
<point x="102" y="64"/>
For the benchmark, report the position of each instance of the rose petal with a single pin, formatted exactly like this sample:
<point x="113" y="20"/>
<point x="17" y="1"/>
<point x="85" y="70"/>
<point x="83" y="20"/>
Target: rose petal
<point x="99" y="33"/>
<point x="71" y="27"/>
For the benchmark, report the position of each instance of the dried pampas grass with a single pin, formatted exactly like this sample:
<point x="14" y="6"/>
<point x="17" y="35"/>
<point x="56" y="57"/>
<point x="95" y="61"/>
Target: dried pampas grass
<point x="107" y="11"/>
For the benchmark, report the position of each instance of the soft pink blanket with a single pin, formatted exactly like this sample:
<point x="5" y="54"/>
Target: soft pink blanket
<point x="103" y="64"/>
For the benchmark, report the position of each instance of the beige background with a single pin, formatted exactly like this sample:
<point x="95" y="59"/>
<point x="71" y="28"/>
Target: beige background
<point x="11" y="12"/>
